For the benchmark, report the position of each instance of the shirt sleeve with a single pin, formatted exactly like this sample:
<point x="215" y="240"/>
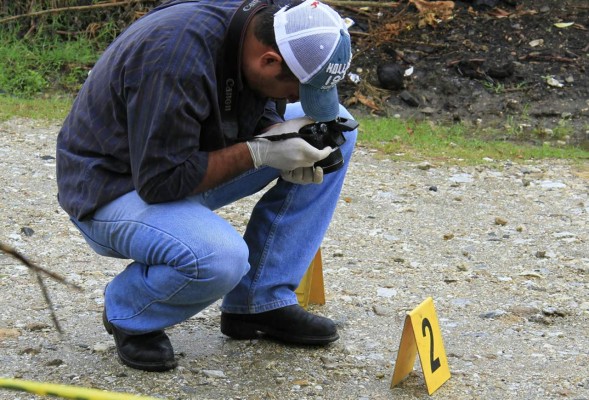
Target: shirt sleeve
<point x="273" y="114"/>
<point x="164" y="123"/>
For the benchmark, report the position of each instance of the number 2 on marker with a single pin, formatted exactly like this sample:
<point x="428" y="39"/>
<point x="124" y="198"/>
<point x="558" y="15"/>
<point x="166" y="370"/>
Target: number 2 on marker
<point x="434" y="363"/>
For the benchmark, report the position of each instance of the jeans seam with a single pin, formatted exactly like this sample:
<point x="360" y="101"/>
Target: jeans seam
<point x="128" y="221"/>
<point x="190" y="280"/>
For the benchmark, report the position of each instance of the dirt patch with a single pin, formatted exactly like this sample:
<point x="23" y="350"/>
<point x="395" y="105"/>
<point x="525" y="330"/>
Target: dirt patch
<point x="519" y="65"/>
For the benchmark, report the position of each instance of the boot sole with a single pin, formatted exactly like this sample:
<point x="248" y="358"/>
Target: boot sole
<point x="241" y="330"/>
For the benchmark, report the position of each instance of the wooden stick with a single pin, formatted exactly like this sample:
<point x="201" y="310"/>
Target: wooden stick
<point x="342" y="3"/>
<point x="352" y="3"/>
<point x="14" y="253"/>
<point x="38" y="271"/>
<point x="74" y="8"/>
<point x="49" y="303"/>
<point x="547" y="58"/>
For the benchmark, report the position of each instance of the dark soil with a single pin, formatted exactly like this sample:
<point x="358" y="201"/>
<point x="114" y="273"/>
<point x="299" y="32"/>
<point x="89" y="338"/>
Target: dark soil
<point x="491" y="63"/>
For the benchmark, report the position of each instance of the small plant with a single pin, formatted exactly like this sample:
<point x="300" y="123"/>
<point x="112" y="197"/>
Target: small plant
<point x="494" y="87"/>
<point x="21" y="80"/>
<point x="513" y="128"/>
<point x="563" y="130"/>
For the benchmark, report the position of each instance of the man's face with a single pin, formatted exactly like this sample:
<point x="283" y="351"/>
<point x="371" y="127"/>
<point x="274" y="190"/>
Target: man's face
<point x="268" y="83"/>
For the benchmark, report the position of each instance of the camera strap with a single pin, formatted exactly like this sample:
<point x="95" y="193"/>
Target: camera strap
<point x="229" y="65"/>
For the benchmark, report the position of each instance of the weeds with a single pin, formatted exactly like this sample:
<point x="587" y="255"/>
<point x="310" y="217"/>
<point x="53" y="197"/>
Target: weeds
<point x="31" y="67"/>
<point x="494" y="87"/>
<point x="456" y="143"/>
<point x="563" y="130"/>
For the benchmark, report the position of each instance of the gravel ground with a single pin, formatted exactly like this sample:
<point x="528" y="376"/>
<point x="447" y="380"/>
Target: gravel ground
<point x="501" y="247"/>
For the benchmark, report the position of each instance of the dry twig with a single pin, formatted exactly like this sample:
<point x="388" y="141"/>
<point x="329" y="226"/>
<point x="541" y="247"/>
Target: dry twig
<point x="38" y="271"/>
<point x="547" y="58"/>
<point x="351" y="3"/>
<point x="74" y="8"/>
<point x="341" y="3"/>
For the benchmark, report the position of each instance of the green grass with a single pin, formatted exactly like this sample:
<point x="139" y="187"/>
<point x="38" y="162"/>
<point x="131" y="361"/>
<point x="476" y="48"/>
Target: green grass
<point x="393" y="137"/>
<point x="45" y="65"/>
<point x="39" y="76"/>
<point x="49" y="109"/>
<point x="456" y="143"/>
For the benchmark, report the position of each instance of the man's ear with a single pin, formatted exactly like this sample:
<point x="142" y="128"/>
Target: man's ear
<point x="271" y="61"/>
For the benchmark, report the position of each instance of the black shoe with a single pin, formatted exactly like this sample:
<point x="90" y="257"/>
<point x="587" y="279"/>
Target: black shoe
<point x="149" y="352"/>
<point x="290" y="324"/>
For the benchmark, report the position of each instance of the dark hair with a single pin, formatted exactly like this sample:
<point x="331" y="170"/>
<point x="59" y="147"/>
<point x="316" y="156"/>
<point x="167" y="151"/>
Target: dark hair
<point x="264" y="32"/>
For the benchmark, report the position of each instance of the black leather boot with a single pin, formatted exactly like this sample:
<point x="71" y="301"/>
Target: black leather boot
<point x="291" y="324"/>
<point x="149" y="351"/>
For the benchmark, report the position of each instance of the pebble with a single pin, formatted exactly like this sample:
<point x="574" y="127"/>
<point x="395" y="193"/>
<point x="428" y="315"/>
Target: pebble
<point x="8" y="333"/>
<point x="386" y="292"/>
<point x="552" y="185"/>
<point x="563" y="235"/>
<point x="213" y="373"/>
<point x="390" y="76"/>
<point x="493" y="314"/>
<point x="27" y="231"/>
<point x="462" y="178"/>
<point x="424" y="166"/>
<point x="102" y="347"/>
<point x="382" y="311"/>
<point x="500" y="221"/>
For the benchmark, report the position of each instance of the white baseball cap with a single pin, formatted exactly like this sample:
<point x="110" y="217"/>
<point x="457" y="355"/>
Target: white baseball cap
<point x="315" y="44"/>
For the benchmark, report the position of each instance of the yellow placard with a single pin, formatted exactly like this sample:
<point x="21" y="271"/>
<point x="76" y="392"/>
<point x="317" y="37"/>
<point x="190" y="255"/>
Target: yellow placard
<point x="421" y="334"/>
<point x="311" y="289"/>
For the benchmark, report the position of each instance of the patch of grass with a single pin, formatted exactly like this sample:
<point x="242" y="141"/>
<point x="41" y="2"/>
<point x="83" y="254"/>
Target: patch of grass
<point x="45" y="64"/>
<point x="494" y="87"/>
<point x="563" y="129"/>
<point x="49" y="109"/>
<point x="395" y="138"/>
<point x="456" y="143"/>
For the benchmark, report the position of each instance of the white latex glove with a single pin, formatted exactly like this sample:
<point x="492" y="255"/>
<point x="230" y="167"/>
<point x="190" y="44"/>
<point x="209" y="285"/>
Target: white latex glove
<point x="303" y="175"/>
<point x="285" y="155"/>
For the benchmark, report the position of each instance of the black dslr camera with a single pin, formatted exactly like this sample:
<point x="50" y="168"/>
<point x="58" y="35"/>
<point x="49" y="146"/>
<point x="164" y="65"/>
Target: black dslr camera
<point x="323" y="134"/>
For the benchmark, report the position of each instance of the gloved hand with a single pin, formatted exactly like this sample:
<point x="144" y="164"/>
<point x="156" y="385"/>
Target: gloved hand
<point x="303" y="175"/>
<point x="289" y="154"/>
<point x="292" y="125"/>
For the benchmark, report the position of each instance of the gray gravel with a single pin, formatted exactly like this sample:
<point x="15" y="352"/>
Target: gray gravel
<point x="501" y="247"/>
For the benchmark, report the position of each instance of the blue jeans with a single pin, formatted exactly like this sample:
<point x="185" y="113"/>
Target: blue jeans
<point x="186" y="257"/>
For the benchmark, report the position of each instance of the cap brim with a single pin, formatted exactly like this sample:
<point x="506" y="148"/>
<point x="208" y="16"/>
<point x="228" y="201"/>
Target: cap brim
<point x="319" y="105"/>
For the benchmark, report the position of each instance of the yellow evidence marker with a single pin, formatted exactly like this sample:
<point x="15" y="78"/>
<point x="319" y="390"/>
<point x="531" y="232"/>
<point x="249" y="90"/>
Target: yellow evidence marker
<point x="421" y="333"/>
<point x="311" y="289"/>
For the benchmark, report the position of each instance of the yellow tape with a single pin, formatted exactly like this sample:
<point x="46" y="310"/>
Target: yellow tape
<point x="65" y="391"/>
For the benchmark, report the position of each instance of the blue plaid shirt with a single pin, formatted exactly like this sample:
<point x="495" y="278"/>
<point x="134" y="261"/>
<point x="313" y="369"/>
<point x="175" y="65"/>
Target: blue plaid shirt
<point x="148" y="114"/>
